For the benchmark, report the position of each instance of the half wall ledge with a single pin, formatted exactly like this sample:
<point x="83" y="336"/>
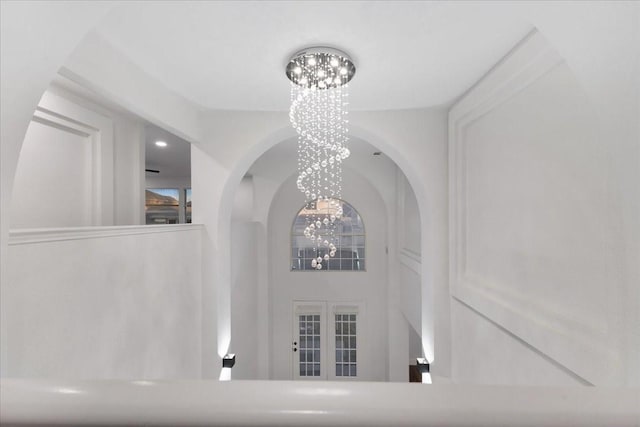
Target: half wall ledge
<point x="277" y="403"/>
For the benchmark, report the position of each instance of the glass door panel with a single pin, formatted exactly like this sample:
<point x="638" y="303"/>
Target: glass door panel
<point x="309" y="340"/>
<point x="327" y="340"/>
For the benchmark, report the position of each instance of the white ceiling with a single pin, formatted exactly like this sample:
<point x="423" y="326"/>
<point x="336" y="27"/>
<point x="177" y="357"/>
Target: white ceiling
<point x="231" y="55"/>
<point x="173" y="161"/>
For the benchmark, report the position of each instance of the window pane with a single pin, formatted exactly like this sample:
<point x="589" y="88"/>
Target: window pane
<point x="346" y="352"/>
<point x="348" y="237"/>
<point x="161" y="206"/>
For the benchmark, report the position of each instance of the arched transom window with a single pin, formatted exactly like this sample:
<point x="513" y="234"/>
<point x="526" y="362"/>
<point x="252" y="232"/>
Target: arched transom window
<point x="349" y="241"/>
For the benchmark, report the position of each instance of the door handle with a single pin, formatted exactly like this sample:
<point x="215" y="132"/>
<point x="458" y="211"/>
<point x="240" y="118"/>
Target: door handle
<point x="294" y="347"/>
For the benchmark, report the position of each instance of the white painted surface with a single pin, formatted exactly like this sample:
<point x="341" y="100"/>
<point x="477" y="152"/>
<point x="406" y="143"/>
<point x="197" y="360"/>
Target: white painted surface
<point x="606" y="67"/>
<point x="424" y="131"/>
<point x="81" y="165"/>
<point x="53" y="181"/>
<point x="92" y="65"/>
<point x="153" y="181"/>
<point x="207" y="178"/>
<point x="245" y="320"/>
<point x="129" y="160"/>
<point x="408" y="255"/>
<point x="127" y="166"/>
<point x="427" y="53"/>
<point x="533" y="225"/>
<point x="484" y="353"/>
<point x="173" y="160"/>
<point x="244" y="204"/>
<point x="303" y="403"/>
<point x="104" y="303"/>
<point x="408" y="218"/>
<point x="367" y="286"/>
<point x="66" y="170"/>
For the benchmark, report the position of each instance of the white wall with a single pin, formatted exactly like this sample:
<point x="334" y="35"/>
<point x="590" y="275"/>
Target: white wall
<point x="486" y="353"/>
<point x="53" y="180"/>
<point x="26" y="69"/>
<point x="415" y="140"/>
<point x="409" y="254"/>
<point x="80" y="165"/>
<point x="128" y="86"/>
<point x="103" y="303"/>
<point x="129" y="170"/>
<point x="533" y="229"/>
<point x="244" y="299"/>
<point x="270" y="173"/>
<point x="368" y="286"/>
<point x="600" y="47"/>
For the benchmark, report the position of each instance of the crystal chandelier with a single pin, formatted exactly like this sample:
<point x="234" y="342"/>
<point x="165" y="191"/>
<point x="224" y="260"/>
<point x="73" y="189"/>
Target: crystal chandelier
<point x="319" y="97"/>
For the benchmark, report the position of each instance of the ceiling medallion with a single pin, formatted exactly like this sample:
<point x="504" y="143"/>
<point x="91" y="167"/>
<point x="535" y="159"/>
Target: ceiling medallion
<point x="319" y="98"/>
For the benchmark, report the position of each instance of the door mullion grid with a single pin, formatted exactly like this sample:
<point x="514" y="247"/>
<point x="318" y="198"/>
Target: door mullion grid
<point x="319" y="330"/>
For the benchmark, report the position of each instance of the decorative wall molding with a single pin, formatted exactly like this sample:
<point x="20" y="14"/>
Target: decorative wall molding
<point x="56" y="111"/>
<point x="411" y="260"/>
<point x="43" y="235"/>
<point x="574" y="340"/>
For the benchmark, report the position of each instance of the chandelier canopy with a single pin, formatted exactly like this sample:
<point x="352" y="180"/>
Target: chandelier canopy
<point x="320" y="68"/>
<point x="319" y="98"/>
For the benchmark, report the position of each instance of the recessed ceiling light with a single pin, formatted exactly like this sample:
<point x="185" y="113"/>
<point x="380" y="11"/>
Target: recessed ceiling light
<point x="161" y="143"/>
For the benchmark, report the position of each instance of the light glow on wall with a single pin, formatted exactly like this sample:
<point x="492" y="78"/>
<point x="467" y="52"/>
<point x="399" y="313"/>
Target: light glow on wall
<point x="225" y="374"/>
<point x="426" y="378"/>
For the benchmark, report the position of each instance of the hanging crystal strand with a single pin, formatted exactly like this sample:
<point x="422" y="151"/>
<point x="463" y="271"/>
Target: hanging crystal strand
<point x="318" y="113"/>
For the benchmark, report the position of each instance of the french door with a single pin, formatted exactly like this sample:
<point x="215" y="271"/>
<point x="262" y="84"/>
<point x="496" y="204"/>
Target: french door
<point x="326" y="340"/>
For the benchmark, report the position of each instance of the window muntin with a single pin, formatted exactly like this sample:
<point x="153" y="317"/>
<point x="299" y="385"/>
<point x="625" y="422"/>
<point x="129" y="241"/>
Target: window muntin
<point x="346" y="345"/>
<point x="309" y="364"/>
<point x="349" y="240"/>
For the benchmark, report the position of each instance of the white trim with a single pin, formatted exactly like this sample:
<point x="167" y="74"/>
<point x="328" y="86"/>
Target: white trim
<point x="359" y="309"/>
<point x="535" y="321"/>
<point x="279" y="403"/>
<point x="56" y="111"/>
<point x="411" y="260"/>
<point x="41" y="235"/>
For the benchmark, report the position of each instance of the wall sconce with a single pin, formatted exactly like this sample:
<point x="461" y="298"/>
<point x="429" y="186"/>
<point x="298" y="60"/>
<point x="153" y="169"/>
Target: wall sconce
<point x="423" y="365"/>
<point x="228" y="360"/>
